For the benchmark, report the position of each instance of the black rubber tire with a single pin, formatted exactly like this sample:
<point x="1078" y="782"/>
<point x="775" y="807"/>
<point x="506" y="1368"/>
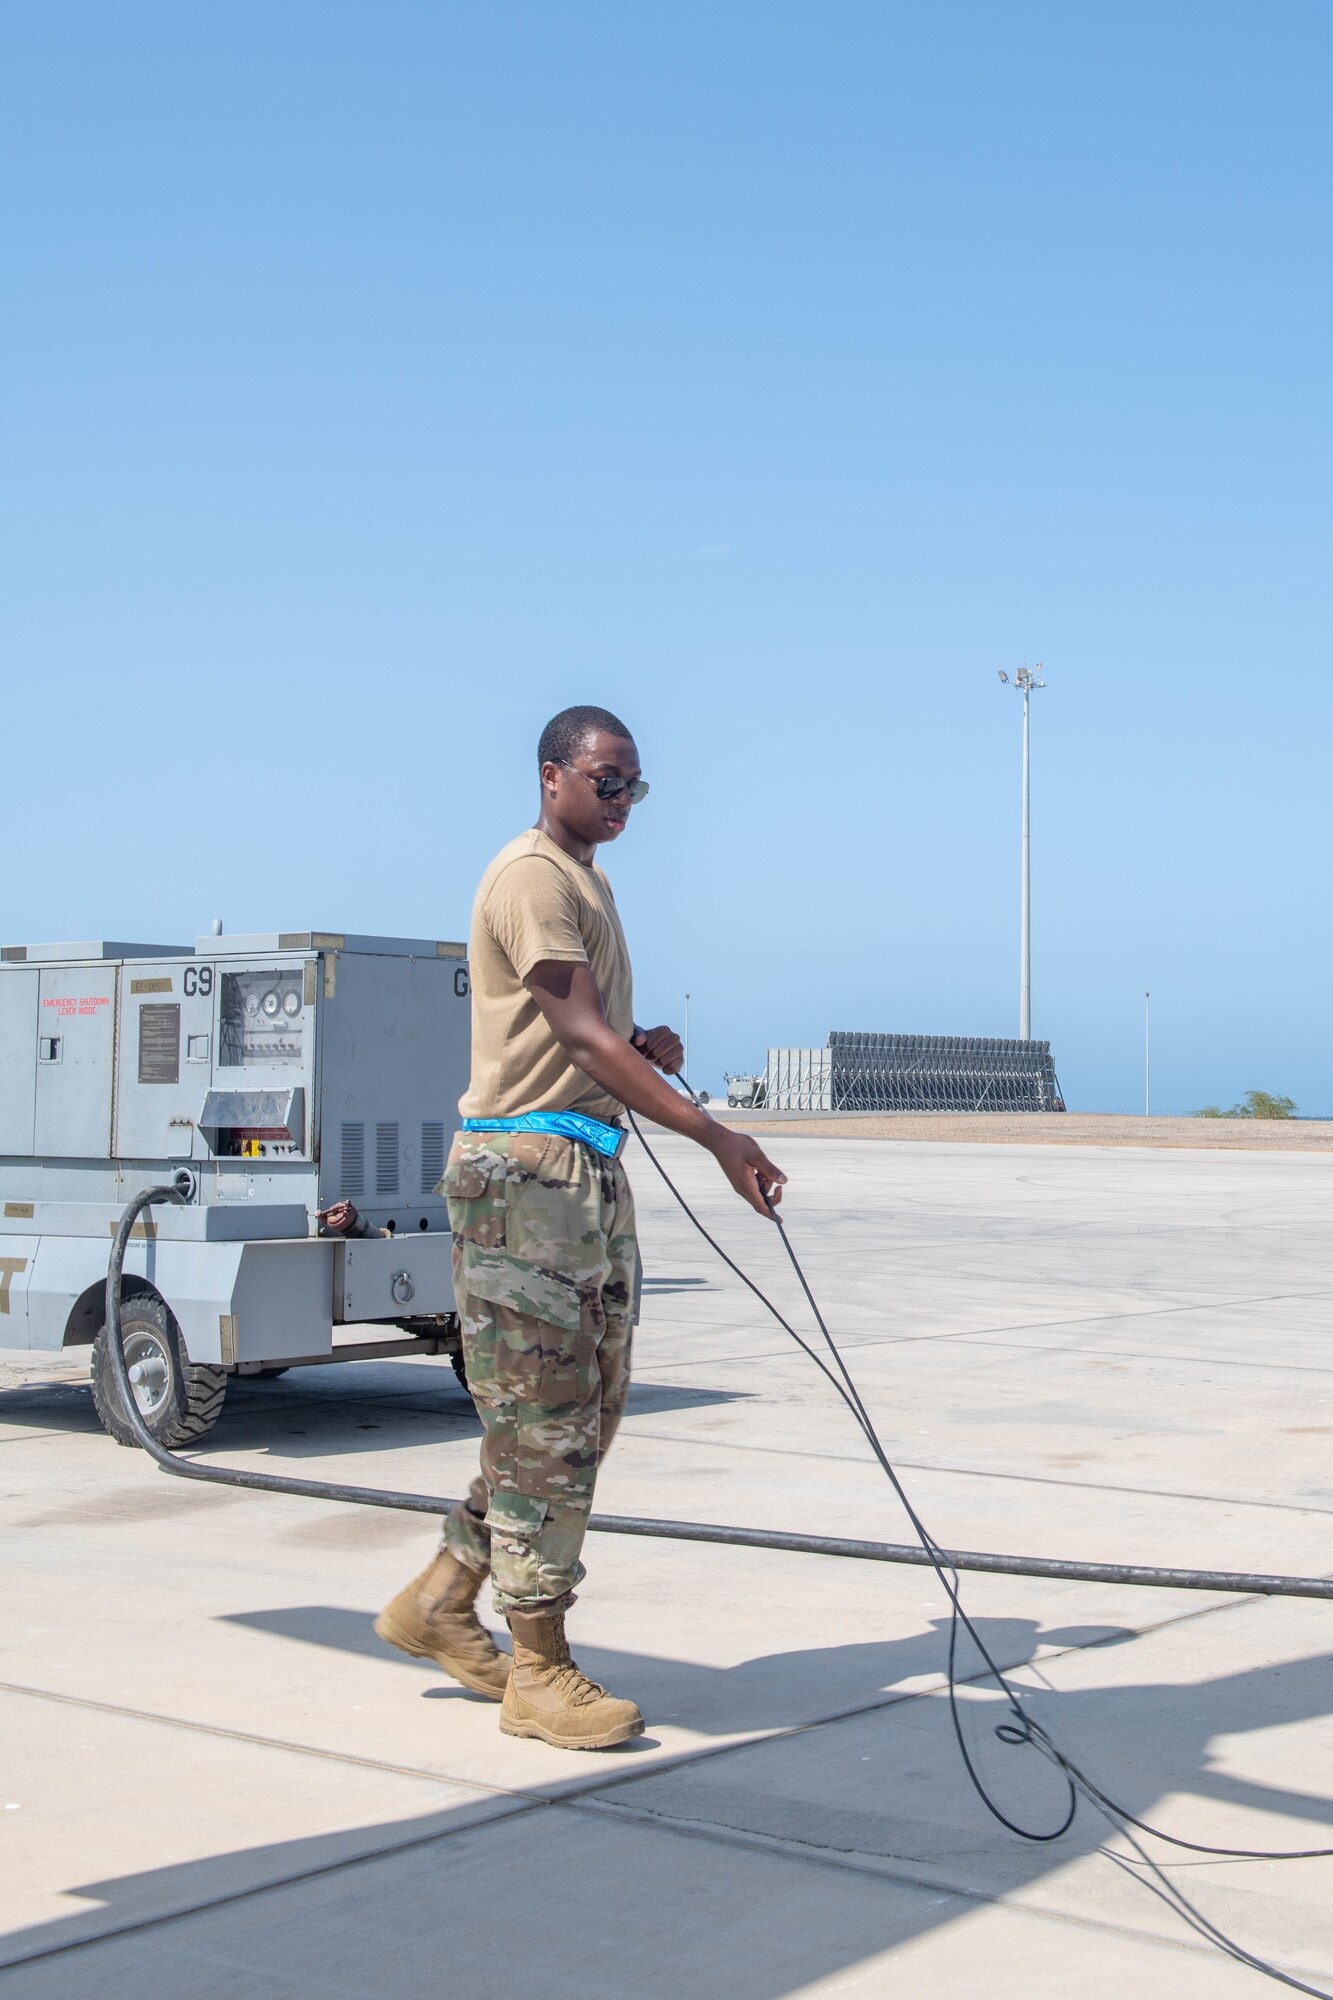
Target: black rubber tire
<point x="459" y="1366"/>
<point x="191" y="1394"/>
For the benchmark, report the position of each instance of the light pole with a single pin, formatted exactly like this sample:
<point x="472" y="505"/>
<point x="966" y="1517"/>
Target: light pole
<point x="686" y="1036"/>
<point x="1147" y="1056"/>
<point x="1026" y="681"/>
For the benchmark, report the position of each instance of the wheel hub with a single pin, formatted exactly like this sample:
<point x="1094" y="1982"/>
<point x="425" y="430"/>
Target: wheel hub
<point x="149" y="1370"/>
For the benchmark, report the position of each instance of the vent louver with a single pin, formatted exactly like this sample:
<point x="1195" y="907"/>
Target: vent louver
<point x="432" y="1154"/>
<point x="354" y="1159"/>
<point x="386" y="1157"/>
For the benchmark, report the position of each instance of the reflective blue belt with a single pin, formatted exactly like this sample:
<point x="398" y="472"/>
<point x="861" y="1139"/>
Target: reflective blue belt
<point x="608" y="1139"/>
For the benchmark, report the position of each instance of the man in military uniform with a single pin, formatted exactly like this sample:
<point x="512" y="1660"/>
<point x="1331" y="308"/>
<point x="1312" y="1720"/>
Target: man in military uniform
<point x="545" y="1258"/>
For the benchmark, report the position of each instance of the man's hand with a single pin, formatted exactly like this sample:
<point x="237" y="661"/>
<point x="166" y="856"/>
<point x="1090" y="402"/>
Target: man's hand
<point x="567" y="994"/>
<point x="748" y="1168"/>
<point x="663" y="1048"/>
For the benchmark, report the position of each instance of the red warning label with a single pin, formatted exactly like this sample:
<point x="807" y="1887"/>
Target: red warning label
<point x="86" y="1003"/>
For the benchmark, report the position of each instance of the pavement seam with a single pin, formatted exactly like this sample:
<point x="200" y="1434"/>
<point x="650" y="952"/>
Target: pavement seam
<point x="1143" y="1354"/>
<point x="268" y="1742"/>
<point x="843" y="1861"/>
<point x="757" y="1843"/>
<point x="523" y="1803"/>
<point x="985" y="1472"/>
<point x="35" y="1437"/>
<point x="738" y="1742"/>
<point x="679" y="1760"/>
<point x="1226" y="1602"/>
<point x="521" y="1807"/>
<point x="850" y="1341"/>
<point x="894" y="1699"/>
<point x="583" y="1797"/>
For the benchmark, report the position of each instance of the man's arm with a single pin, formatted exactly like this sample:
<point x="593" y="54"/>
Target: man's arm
<point x="568" y="997"/>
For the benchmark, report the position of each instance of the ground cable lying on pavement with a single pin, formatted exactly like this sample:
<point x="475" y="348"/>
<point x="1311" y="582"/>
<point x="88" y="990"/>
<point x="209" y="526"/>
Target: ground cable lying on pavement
<point x="1023" y="1730"/>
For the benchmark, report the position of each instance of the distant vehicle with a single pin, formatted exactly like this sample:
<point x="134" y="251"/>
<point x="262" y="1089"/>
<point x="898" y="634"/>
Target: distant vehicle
<point x="747" y="1093"/>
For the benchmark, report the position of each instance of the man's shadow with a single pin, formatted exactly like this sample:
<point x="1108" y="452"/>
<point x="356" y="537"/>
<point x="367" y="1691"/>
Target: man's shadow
<point x="771" y="1691"/>
<point x="1139" y="1741"/>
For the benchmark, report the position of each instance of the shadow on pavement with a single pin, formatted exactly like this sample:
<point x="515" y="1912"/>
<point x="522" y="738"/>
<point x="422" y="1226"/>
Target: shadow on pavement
<point x="340" y="1411"/>
<point x="774" y="1691"/>
<point x="600" y="1882"/>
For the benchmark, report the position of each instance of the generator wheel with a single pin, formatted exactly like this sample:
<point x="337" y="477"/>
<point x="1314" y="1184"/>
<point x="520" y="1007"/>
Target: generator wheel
<point x="178" y="1399"/>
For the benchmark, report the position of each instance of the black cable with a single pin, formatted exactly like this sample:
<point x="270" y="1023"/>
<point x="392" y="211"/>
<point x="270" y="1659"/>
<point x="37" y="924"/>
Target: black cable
<point x="217" y="1475"/>
<point x="850" y="1395"/>
<point x="1094" y="1792"/>
<point x="1025" y="1729"/>
<point x="1140" y="1577"/>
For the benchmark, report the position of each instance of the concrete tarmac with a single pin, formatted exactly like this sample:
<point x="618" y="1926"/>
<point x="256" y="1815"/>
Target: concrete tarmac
<point x="217" y="1782"/>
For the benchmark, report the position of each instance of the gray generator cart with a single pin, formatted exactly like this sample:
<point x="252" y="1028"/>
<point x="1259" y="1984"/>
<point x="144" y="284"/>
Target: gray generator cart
<point x="271" y="1077"/>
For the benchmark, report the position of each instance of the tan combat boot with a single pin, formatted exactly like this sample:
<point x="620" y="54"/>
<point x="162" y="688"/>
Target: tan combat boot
<point x="549" y="1698"/>
<point x="434" y="1619"/>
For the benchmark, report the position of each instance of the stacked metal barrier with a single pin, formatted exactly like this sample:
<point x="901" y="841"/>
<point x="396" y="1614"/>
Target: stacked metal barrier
<point x="862" y="1072"/>
<point x="799" y="1080"/>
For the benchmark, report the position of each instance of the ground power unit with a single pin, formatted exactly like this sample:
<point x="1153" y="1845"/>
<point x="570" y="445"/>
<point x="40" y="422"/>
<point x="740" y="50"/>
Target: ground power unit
<point x="273" y="1078"/>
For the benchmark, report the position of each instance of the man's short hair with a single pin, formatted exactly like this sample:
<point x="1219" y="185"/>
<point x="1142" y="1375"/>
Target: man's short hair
<point x="565" y="734"/>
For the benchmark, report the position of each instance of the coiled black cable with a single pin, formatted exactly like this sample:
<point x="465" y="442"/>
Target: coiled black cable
<point x="1024" y="1730"/>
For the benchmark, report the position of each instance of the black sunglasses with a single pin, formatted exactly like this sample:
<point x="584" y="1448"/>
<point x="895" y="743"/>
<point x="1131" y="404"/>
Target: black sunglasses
<point x="611" y="787"/>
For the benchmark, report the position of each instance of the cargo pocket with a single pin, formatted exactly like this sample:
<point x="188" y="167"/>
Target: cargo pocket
<point x="473" y="1187"/>
<point x="536" y="1347"/>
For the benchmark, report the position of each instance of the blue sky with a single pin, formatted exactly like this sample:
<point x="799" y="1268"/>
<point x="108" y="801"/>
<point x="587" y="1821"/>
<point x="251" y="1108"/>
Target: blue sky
<point x="379" y="380"/>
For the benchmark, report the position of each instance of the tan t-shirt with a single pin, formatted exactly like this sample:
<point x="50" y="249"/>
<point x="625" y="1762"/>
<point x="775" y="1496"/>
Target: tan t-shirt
<point x="534" y="903"/>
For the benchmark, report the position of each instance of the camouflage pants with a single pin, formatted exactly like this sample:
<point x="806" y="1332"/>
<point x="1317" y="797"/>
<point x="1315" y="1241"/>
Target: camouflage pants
<point x="545" y="1273"/>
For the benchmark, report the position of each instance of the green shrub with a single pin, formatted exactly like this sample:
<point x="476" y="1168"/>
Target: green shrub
<point x="1254" y="1104"/>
